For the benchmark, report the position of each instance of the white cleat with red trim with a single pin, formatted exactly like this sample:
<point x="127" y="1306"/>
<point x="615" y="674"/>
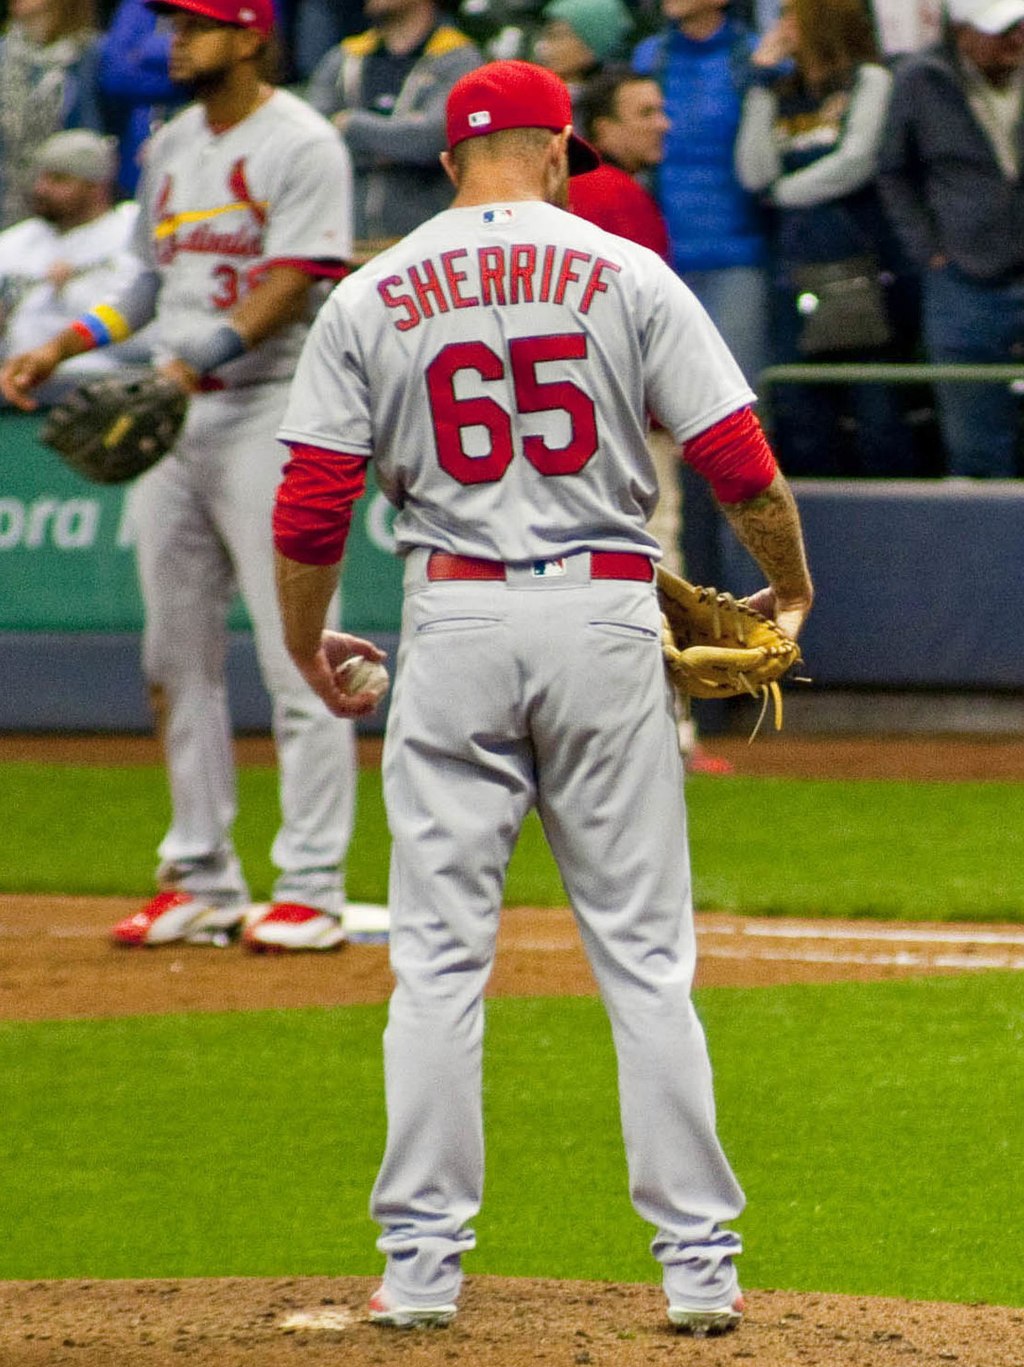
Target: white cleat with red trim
<point x="285" y="927"/>
<point x="385" y="1311"/>
<point x="706" y="1322"/>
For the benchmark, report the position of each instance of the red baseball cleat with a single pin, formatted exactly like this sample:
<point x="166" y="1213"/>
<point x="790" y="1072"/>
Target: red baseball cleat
<point x="290" y="926"/>
<point x="170" y="917"/>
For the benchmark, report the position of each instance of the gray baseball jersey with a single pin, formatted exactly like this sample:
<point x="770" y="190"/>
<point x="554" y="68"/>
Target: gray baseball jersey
<point x="218" y="208"/>
<point x="499" y="365"/>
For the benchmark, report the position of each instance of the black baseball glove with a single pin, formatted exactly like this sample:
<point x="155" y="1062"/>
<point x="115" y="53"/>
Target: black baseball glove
<point x="113" y="429"/>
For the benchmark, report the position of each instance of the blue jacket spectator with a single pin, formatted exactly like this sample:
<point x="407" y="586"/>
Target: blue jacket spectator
<point x="133" y="81"/>
<point x="701" y="60"/>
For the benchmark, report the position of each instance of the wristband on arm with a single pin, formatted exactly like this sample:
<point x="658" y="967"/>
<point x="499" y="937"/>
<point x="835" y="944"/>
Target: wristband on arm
<point x="132" y="309"/>
<point x="210" y="347"/>
<point x="101" y="326"/>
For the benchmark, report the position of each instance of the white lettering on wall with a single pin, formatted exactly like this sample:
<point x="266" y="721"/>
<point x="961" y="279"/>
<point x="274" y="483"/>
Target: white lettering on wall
<point x="74" y="527"/>
<point x="380" y="516"/>
<point x="12" y="522"/>
<point x="67" y="524"/>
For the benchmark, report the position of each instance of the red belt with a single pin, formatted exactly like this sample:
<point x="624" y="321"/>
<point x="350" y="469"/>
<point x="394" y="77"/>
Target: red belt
<point x="603" y="565"/>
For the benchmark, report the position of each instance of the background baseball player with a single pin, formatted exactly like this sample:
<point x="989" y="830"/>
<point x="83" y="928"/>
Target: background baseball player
<point x="497" y="366"/>
<point x="245" y="204"/>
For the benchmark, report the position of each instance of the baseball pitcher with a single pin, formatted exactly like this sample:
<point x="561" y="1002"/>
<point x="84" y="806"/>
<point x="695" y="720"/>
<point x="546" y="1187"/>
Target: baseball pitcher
<point x="498" y="367"/>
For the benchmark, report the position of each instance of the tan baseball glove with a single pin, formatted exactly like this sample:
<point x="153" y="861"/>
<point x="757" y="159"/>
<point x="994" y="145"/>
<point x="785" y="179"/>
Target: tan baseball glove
<point x="715" y="646"/>
<point x="112" y="429"/>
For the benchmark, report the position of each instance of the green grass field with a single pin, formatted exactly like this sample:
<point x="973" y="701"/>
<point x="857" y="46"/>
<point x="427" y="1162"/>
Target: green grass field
<point x="876" y="1128"/>
<point x="935" y="851"/>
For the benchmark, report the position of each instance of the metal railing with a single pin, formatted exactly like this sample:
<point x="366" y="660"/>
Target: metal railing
<point x="889" y="372"/>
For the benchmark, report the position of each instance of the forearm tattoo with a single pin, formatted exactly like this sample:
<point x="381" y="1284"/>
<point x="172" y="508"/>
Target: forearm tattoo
<point x="769" y="527"/>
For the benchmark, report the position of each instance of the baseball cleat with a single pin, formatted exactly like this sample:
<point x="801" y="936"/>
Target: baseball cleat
<point x="170" y="917"/>
<point x="287" y="927"/>
<point x="385" y="1312"/>
<point x="704" y="1322"/>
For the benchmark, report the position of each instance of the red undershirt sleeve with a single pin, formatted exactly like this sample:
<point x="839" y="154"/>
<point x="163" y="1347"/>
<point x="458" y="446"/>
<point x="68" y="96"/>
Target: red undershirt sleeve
<point x="313" y="508"/>
<point x="317" y="267"/>
<point x="733" y="456"/>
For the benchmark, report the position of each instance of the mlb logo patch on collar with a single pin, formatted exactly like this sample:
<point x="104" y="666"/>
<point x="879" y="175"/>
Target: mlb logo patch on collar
<point x="547" y="569"/>
<point x="492" y="216"/>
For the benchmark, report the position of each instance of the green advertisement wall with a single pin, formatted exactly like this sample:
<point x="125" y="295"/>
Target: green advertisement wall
<point x="916" y="580"/>
<point x="70" y="612"/>
<point x="66" y="562"/>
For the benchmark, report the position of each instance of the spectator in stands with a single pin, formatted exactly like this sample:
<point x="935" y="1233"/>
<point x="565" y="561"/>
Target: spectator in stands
<point x="135" y="88"/>
<point x="623" y="115"/>
<point x="701" y="60"/>
<point x="757" y="14"/>
<point x="73" y="250"/>
<point x="385" y="91"/>
<point x="808" y="142"/>
<point x="316" y="26"/>
<point x="579" y="36"/>
<point x="502" y="29"/>
<point x="951" y="167"/>
<point x="48" y="58"/>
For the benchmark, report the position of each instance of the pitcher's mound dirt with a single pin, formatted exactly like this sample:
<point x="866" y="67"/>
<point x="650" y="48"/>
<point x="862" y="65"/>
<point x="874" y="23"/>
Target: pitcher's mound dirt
<point x="502" y="1323"/>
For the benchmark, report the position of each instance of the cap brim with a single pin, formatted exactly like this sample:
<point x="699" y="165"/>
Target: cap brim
<point x="171" y="6"/>
<point x="582" y="157"/>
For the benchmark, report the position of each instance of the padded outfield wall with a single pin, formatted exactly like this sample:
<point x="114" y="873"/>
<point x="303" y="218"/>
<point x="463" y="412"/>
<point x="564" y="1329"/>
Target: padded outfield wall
<point x="920" y="588"/>
<point x="70" y="611"/>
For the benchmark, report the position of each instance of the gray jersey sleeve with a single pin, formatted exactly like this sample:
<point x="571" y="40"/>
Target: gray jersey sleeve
<point x="691" y="379"/>
<point x="137" y="301"/>
<point x="311" y="216"/>
<point x="329" y="402"/>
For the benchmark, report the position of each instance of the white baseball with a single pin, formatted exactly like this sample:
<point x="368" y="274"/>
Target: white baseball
<point x="357" y="674"/>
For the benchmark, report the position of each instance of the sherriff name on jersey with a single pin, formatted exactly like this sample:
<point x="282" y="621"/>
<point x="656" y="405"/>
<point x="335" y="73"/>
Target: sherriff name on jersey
<point x="520" y="273"/>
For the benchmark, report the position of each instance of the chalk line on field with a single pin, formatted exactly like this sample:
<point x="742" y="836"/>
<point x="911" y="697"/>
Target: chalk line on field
<point x="771" y="931"/>
<point x="1014" y="962"/>
<point x="956" y="948"/>
<point x="827" y="944"/>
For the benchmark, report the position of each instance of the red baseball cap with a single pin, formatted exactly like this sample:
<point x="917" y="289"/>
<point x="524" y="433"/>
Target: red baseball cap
<point x="514" y="94"/>
<point x="254" y="14"/>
